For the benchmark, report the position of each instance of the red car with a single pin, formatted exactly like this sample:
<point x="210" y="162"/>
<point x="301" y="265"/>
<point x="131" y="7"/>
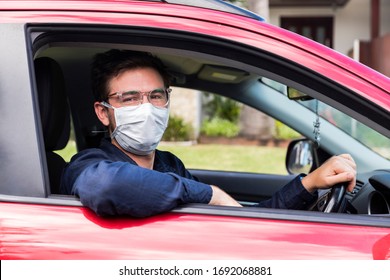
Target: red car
<point x="212" y="47"/>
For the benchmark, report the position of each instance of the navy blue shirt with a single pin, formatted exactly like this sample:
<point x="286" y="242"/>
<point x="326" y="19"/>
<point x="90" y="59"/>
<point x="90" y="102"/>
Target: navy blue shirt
<point x="111" y="183"/>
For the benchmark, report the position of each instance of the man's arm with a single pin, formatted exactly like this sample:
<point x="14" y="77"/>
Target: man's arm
<point x="219" y="197"/>
<point x="121" y="188"/>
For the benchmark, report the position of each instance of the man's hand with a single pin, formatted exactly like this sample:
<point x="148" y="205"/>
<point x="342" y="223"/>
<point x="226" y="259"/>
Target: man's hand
<point x="337" y="169"/>
<point x="221" y="198"/>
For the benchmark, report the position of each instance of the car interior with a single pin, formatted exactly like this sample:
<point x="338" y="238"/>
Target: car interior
<point x="62" y="62"/>
<point x="55" y="115"/>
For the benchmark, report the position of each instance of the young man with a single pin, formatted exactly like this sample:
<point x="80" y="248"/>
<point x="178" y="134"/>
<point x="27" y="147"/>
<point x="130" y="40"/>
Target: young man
<point x="128" y="176"/>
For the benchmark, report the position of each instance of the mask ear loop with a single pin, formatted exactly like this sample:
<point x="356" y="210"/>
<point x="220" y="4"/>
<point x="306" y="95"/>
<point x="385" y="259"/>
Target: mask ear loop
<point x="107" y="105"/>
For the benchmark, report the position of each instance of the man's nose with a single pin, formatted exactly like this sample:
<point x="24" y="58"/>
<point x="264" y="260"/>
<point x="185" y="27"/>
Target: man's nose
<point x="145" y="98"/>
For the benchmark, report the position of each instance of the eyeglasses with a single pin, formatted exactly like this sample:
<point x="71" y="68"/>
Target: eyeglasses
<point x="157" y="97"/>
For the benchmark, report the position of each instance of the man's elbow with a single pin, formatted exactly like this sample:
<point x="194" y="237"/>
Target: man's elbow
<point x="110" y="203"/>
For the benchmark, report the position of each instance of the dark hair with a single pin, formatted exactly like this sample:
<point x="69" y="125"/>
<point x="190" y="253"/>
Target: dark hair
<point x="110" y="64"/>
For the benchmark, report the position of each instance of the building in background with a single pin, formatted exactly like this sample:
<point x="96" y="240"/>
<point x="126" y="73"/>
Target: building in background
<point x="358" y="28"/>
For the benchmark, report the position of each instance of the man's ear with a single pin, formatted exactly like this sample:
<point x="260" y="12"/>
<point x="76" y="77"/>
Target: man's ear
<point x="102" y="113"/>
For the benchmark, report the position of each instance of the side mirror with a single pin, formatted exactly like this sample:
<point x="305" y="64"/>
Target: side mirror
<point x="301" y="157"/>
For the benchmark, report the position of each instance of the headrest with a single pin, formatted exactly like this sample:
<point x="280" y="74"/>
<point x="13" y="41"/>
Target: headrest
<point x="53" y="103"/>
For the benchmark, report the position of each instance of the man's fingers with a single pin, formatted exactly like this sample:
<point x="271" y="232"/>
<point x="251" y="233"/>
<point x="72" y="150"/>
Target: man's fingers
<point x="351" y="186"/>
<point x="348" y="160"/>
<point x="347" y="156"/>
<point x="339" y="178"/>
<point x="344" y="168"/>
<point x="347" y="177"/>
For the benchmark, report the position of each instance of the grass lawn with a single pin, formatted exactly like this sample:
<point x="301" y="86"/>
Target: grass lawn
<point x="220" y="157"/>
<point x="231" y="157"/>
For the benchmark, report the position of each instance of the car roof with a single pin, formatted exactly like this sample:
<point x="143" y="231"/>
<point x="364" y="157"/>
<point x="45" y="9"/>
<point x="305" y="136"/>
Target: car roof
<point x="218" y="5"/>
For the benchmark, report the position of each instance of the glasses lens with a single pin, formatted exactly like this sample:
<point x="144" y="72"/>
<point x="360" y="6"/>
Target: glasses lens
<point x="158" y="97"/>
<point x="131" y="98"/>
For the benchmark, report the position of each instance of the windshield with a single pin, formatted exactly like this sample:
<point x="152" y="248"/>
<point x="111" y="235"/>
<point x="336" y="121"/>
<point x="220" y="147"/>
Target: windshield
<point x="367" y="136"/>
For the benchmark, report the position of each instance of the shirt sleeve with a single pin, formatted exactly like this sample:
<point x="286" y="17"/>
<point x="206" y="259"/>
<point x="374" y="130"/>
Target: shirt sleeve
<point x="122" y="188"/>
<point x="292" y="196"/>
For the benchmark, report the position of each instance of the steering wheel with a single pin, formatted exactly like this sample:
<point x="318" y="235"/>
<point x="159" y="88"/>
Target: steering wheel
<point x="330" y="200"/>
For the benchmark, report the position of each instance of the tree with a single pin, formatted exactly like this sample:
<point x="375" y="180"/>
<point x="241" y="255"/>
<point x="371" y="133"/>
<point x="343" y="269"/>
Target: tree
<point x="254" y="124"/>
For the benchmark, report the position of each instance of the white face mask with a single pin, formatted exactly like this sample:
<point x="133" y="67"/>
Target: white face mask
<point x="139" y="128"/>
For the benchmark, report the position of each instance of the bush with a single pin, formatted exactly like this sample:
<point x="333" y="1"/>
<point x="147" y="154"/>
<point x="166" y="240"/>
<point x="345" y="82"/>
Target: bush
<point x="223" y="108"/>
<point x="177" y="130"/>
<point x="219" y="127"/>
<point x="283" y="132"/>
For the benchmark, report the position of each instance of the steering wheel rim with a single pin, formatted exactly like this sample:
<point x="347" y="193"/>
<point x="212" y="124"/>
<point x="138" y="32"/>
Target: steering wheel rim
<point x="330" y="201"/>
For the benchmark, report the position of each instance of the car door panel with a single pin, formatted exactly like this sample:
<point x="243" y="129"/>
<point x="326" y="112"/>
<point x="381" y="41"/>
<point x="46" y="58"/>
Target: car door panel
<point x="71" y="232"/>
<point x="250" y="187"/>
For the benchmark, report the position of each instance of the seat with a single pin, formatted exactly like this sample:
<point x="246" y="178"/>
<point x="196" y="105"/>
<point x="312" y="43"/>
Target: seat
<point x="55" y="115"/>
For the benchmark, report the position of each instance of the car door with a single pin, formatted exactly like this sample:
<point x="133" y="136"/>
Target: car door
<point x="39" y="224"/>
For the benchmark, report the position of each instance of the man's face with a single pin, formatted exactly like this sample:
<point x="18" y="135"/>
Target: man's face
<point x="140" y="79"/>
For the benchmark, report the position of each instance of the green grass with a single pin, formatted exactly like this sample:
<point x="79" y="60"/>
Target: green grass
<point x="231" y="157"/>
<point x="220" y="157"/>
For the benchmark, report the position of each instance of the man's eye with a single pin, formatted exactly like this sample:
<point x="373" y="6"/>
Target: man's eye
<point x="130" y="97"/>
<point x="156" y="96"/>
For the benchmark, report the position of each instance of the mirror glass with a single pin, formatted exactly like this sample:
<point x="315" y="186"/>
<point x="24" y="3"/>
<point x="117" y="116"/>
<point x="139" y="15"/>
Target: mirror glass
<point x="295" y="94"/>
<point x="300" y="158"/>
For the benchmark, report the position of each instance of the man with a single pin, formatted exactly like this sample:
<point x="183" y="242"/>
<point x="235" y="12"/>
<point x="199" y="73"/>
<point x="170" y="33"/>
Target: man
<point x="128" y="176"/>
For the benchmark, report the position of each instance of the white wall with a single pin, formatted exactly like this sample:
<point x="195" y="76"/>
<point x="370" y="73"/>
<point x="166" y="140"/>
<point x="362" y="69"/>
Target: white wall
<point x="186" y="103"/>
<point x="351" y="21"/>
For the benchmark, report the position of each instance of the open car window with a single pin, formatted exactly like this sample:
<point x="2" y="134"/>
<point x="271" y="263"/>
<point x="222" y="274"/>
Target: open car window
<point x="221" y="73"/>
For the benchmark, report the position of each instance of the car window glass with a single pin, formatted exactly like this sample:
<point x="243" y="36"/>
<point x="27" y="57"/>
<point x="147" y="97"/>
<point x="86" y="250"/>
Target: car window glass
<point x="367" y="136"/>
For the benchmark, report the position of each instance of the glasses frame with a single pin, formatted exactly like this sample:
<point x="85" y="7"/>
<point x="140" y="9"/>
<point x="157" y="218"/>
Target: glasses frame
<point x="119" y="96"/>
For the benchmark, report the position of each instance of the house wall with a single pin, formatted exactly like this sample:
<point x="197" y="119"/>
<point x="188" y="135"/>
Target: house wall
<point x="379" y="49"/>
<point x="351" y="22"/>
<point x="384" y="17"/>
<point x="186" y="103"/>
